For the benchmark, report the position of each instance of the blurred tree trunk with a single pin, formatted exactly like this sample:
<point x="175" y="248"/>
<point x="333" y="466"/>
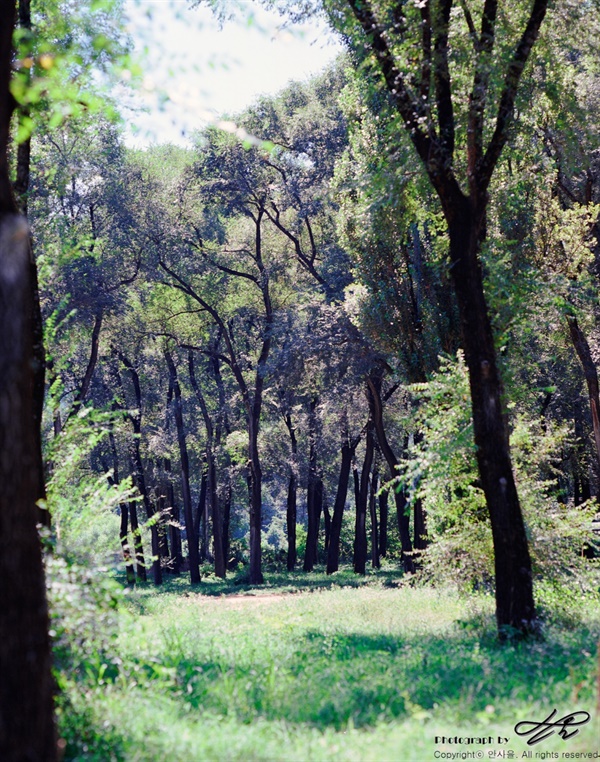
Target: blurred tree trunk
<point x="21" y="189"/>
<point x="26" y="713"/>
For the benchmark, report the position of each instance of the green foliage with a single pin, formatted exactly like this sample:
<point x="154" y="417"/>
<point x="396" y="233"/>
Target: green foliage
<point x="84" y="504"/>
<point x="67" y="61"/>
<point x="441" y="470"/>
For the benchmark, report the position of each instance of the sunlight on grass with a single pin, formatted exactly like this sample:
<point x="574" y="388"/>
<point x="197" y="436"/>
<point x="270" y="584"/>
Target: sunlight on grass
<point x="375" y="672"/>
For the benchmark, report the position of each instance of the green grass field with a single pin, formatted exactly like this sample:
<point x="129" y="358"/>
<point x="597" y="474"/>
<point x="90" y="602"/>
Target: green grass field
<point x="310" y="671"/>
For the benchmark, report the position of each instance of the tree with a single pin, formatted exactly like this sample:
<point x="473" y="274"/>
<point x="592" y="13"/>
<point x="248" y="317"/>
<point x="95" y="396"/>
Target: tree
<point x="411" y="46"/>
<point x="26" y="713"/>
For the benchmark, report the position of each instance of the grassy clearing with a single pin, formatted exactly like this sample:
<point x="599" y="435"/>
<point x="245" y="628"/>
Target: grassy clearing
<point x="317" y="672"/>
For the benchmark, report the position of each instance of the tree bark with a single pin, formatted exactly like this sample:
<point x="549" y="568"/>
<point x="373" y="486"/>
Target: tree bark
<point x="360" y="527"/>
<point x="383" y="523"/>
<point x="123" y="529"/>
<point x="138" y="473"/>
<point x="314" y="494"/>
<point x="376" y="406"/>
<point x="515" y="608"/>
<point x="591" y="377"/>
<point x="26" y="714"/>
<point x="348" y="450"/>
<point x="21" y="189"/>
<point x="292" y="493"/>
<point x="375" y="563"/>
<point x="185" y="474"/>
<point x="174" y="530"/>
<point x="220" y="560"/>
<point x="466" y="220"/>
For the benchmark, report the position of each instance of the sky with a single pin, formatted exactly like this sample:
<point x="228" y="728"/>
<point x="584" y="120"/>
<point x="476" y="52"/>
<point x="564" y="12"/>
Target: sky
<point x="208" y="71"/>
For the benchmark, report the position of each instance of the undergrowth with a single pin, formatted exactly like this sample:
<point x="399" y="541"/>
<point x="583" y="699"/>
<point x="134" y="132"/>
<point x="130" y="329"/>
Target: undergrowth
<point x="311" y="667"/>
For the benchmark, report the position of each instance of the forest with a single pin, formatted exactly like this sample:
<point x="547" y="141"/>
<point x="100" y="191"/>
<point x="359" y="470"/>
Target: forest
<point x="300" y="423"/>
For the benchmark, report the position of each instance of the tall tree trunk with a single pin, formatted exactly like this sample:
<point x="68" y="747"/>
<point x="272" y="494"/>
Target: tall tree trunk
<point x="290" y="517"/>
<point x="139" y="479"/>
<point x="137" y="471"/>
<point x="591" y="377"/>
<point x="21" y="189"/>
<point x="383" y="523"/>
<point x="360" y="527"/>
<point x="375" y="563"/>
<point x="185" y="474"/>
<point x="314" y="493"/>
<point x="514" y="583"/>
<point x="333" y="551"/>
<point x="212" y="505"/>
<point x="123" y="530"/>
<point x="201" y="527"/>
<point x="26" y="715"/>
<point x="376" y="406"/>
<point x="327" y="520"/>
<point x="174" y="530"/>
<point x="123" y="535"/>
<point x="466" y="219"/>
<point x="291" y="505"/>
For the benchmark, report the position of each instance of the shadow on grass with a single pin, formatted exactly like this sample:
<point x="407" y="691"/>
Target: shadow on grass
<point x="334" y="679"/>
<point x="275" y="582"/>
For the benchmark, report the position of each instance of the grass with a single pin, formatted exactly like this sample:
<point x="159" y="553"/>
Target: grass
<point x="313" y="668"/>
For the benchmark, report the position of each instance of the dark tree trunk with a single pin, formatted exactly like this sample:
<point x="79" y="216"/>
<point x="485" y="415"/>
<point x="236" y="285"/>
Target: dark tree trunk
<point x="226" y="519"/>
<point x="383" y="523"/>
<point x="376" y="407"/>
<point x="360" y="527"/>
<point x="327" y="519"/>
<point x="212" y="505"/>
<point x="139" y="479"/>
<point x="314" y="492"/>
<point x="201" y="527"/>
<point x="174" y="530"/>
<point x="291" y="508"/>
<point x="419" y="518"/>
<point x="466" y="218"/>
<point x="26" y="715"/>
<point x="140" y="561"/>
<point x="21" y="189"/>
<point x="163" y="536"/>
<point x="420" y="527"/>
<point x="185" y="474"/>
<point x="591" y="377"/>
<point x="123" y="530"/>
<point x="291" y="520"/>
<point x="136" y="467"/>
<point x="375" y="563"/>
<point x="333" y="551"/>
<point x="129" y="570"/>
<point x="514" y="584"/>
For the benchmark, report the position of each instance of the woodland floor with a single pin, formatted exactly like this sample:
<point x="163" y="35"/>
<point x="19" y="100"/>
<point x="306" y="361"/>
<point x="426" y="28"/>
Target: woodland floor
<point x="320" y="671"/>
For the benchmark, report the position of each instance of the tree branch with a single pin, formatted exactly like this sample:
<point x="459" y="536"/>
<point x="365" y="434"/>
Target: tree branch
<point x="511" y="83"/>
